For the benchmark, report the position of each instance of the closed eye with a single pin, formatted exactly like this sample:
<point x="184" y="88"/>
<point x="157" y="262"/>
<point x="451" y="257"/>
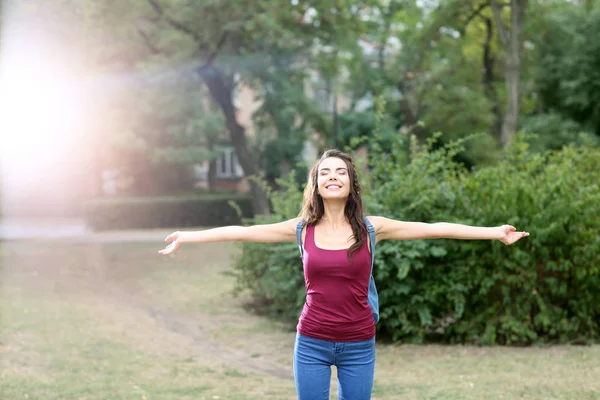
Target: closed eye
<point x="341" y="171"/>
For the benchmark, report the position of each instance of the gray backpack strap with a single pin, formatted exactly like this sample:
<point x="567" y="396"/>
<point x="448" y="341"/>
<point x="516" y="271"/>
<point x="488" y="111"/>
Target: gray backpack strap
<point x="372" y="240"/>
<point x="299" y="228"/>
<point x="373" y="297"/>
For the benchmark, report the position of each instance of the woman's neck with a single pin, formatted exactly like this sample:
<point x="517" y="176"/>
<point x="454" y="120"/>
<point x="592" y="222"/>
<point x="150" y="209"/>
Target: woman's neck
<point x="334" y="215"/>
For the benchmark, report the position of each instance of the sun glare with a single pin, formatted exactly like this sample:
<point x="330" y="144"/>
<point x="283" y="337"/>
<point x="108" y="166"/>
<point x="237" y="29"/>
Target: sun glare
<point x="39" y="108"/>
<point x="34" y="117"/>
<point x="41" y="114"/>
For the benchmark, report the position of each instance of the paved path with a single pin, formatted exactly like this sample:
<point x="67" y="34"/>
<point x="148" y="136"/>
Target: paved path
<point x="72" y="229"/>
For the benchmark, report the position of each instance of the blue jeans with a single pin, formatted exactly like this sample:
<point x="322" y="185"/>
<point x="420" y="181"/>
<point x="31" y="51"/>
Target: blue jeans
<point x="355" y="363"/>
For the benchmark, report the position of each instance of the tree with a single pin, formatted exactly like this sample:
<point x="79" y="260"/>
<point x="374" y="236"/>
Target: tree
<point x="428" y="68"/>
<point x="438" y="65"/>
<point x="235" y="39"/>
<point x="170" y="127"/>
<point x="568" y="73"/>
<point x="151" y="115"/>
<point x="511" y="38"/>
<point x="211" y="38"/>
<point x="284" y="119"/>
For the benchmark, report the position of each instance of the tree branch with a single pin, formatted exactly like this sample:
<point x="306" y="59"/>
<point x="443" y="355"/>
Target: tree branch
<point x="214" y="54"/>
<point x="147" y="41"/>
<point x="502" y="30"/>
<point x="477" y="13"/>
<point x="185" y="29"/>
<point x="175" y="24"/>
<point x="474" y="14"/>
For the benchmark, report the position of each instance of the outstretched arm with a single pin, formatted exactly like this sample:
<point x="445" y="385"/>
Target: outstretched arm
<point x="399" y="230"/>
<point x="279" y="232"/>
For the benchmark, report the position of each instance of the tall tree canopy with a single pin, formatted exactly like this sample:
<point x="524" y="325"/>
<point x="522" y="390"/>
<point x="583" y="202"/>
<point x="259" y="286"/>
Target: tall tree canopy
<point x="168" y="73"/>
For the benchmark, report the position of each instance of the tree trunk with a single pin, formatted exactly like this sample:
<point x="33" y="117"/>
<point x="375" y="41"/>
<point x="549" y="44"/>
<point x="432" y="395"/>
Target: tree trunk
<point x="511" y="39"/>
<point x="510" y="123"/>
<point x="410" y="112"/>
<point x="286" y="167"/>
<point x="222" y="94"/>
<point x="488" y="81"/>
<point x="212" y="176"/>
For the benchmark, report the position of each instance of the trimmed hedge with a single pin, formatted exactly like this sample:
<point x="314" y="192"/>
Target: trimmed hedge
<point x="166" y="212"/>
<point x="543" y="289"/>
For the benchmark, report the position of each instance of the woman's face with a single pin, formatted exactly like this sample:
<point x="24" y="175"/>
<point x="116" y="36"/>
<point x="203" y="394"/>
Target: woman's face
<point x="333" y="180"/>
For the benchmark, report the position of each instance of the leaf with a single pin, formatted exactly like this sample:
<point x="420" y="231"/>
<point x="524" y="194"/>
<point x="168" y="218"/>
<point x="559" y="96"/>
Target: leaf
<point x="437" y="251"/>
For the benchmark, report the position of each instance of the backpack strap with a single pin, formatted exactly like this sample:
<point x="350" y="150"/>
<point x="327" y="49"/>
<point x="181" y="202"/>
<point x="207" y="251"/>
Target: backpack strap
<point x="372" y="240"/>
<point x="373" y="297"/>
<point x="299" y="228"/>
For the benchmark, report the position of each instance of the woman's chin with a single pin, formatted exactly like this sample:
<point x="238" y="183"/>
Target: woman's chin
<point x="336" y="196"/>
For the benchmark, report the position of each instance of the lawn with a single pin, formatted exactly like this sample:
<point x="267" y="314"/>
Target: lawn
<point x="108" y="320"/>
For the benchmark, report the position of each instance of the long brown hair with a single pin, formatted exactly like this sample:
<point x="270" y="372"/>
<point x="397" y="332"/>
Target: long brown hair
<point x="312" y="205"/>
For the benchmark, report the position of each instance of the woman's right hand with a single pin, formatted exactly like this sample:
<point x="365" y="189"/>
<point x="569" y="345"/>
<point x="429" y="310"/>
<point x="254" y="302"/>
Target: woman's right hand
<point x="175" y="242"/>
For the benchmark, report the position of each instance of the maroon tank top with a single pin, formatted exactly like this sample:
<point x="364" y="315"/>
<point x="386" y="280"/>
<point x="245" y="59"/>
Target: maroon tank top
<point x="336" y="307"/>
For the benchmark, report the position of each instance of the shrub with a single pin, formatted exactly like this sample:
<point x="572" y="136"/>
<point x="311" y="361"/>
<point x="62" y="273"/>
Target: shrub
<point x="272" y="272"/>
<point x="538" y="290"/>
<point x="541" y="289"/>
<point x="166" y="212"/>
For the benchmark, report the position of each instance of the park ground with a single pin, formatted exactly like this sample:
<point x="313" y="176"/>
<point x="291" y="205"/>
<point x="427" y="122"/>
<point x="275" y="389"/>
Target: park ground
<point x="103" y="316"/>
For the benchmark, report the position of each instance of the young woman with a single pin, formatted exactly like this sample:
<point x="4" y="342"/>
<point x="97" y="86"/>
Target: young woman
<point x="337" y="324"/>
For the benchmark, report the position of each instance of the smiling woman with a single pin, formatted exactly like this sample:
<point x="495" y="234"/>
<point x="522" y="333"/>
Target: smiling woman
<point x="337" y="243"/>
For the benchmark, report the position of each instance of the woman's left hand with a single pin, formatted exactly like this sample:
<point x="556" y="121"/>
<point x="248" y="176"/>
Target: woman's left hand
<point x="509" y="234"/>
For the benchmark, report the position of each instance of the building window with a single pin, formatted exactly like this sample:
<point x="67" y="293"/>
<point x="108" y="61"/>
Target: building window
<point x="228" y="165"/>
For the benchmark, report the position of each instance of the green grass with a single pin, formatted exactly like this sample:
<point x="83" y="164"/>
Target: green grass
<point x="118" y="321"/>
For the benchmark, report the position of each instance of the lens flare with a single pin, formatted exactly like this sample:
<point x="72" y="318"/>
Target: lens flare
<point x="41" y="112"/>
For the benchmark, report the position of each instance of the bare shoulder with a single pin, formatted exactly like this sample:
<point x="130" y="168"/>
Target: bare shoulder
<point x="288" y="225"/>
<point x="293" y="223"/>
<point x="379" y="224"/>
<point x="387" y="228"/>
<point x="284" y="231"/>
<point x="377" y="221"/>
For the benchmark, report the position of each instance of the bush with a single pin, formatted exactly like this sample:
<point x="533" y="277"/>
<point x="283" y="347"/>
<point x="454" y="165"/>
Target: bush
<point x="554" y="131"/>
<point x="272" y="272"/>
<point x="542" y="289"/>
<point x="166" y="212"/>
<point x="538" y="290"/>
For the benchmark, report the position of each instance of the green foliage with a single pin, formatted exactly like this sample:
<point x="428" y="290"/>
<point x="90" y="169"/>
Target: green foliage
<point x="538" y="290"/>
<point x="167" y="212"/>
<point x="283" y="119"/>
<point x="359" y="127"/>
<point x="542" y="289"/>
<point x="568" y="70"/>
<point x="166" y="127"/>
<point x="553" y="131"/>
<point x="438" y="65"/>
<point x="272" y="272"/>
